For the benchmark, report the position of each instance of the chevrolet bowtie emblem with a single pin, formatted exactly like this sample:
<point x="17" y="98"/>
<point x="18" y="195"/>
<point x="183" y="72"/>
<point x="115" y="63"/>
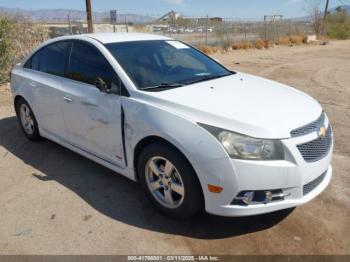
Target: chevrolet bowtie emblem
<point x="322" y="132"/>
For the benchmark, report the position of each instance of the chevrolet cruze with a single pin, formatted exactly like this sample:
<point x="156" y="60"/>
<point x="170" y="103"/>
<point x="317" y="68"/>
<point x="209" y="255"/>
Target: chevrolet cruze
<point x="192" y="132"/>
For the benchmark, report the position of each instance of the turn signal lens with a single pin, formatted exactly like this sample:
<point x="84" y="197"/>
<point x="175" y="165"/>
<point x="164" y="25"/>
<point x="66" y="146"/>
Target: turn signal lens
<point x="214" y="189"/>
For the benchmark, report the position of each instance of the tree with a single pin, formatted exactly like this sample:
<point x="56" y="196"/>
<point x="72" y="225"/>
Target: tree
<point x="339" y="24"/>
<point x="314" y="10"/>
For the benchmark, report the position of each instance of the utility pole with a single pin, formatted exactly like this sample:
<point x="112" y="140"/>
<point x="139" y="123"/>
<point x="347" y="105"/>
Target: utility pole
<point x="325" y="18"/>
<point x="325" y="12"/>
<point x="265" y="26"/>
<point x="206" y="30"/>
<point x="70" y="25"/>
<point x="126" y="26"/>
<point x="89" y="16"/>
<point x="245" y="32"/>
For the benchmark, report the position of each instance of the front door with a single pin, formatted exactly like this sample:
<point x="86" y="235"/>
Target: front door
<point x="92" y="117"/>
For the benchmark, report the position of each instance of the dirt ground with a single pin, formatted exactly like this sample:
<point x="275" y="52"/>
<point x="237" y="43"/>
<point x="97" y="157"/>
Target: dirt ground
<point x="53" y="201"/>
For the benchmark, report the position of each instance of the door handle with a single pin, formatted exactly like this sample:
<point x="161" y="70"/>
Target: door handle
<point x="67" y="99"/>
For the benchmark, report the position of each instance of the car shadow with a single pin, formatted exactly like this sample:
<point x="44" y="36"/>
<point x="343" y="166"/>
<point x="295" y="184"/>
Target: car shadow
<point x="115" y="196"/>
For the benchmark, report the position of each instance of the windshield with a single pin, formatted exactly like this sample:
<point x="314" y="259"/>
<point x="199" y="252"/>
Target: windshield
<point x="164" y="64"/>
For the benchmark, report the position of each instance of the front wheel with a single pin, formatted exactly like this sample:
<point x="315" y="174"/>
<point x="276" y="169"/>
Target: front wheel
<point x="169" y="181"/>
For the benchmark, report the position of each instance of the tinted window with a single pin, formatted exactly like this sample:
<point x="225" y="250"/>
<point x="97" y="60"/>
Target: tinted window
<point x="33" y="62"/>
<point x="153" y="63"/>
<point x="52" y="59"/>
<point x="86" y="64"/>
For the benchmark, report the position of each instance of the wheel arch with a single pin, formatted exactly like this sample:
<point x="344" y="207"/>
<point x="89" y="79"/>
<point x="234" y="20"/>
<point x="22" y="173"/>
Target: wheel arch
<point x="15" y="101"/>
<point x="144" y="142"/>
<point x="154" y="139"/>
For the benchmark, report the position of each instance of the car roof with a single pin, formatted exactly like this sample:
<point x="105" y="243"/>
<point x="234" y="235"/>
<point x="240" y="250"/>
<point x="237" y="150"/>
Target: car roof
<point x="106" y="38"/>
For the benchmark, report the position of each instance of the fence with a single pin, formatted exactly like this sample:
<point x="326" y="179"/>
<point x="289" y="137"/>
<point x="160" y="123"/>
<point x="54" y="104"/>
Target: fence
<point x="230" y="31"/>
<point x="198" y="31"/>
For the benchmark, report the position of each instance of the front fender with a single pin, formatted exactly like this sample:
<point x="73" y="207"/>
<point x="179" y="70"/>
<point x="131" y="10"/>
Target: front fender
<point x="199" y="146"/>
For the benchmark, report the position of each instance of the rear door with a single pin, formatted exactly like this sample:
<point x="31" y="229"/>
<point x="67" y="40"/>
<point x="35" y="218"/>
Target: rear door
<point x="93" y="118"/>
<point x="46" y="67"/>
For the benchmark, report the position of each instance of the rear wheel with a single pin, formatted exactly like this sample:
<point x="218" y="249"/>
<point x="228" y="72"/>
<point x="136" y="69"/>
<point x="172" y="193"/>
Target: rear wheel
<point x="27" y="120"/>
<point x="169" y="181"/>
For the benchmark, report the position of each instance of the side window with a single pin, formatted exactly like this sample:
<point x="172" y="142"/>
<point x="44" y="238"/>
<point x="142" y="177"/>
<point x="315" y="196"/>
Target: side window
<point x="52" y="58"/>
<point x="87" y="64"/>
<point x="33" y="62"/>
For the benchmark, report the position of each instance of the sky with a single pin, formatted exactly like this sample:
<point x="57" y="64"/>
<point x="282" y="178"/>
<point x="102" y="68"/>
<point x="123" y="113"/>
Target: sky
<point x="239" y="9"/>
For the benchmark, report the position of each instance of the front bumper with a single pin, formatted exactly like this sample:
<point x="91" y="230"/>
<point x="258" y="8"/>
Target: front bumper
<point x="289" y="175"/>
<point x="292" y="201"/>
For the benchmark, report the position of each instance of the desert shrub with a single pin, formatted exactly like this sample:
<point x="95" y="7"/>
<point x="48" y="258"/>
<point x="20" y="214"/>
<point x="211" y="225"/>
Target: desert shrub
<point x="5" y="48"/>
<point x="297" y="39"/>
<point x="340" y="31"/>
<point x="260" y="44"/>
<point x="284" y="40"/>
<point x="208" y="49"/>
<point x="242" y="45"/>
<point x="339" y="24"/>
<point x="18" y="38"/>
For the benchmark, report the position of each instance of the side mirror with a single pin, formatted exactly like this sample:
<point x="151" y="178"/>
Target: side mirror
<point x="101" y="85"/>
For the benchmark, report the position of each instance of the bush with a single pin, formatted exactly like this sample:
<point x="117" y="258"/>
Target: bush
<point x="208" y="49"/>
<point x="5" y="48"/>
<point x="339" y="31"/>
<point x="339" y="24"/>
<point x="242" y="45"/>
<point x="284" y="40"/>
<point x="18" y="37"/>
<point x="297" y="39"/>
<point x="260" y="44"/>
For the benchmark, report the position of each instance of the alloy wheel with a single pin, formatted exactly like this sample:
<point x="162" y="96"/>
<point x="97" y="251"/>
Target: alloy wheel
<point x="27" y="119"/>
<point x="164" y="182"/>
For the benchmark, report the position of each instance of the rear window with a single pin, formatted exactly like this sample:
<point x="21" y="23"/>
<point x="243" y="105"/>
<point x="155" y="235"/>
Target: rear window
<point x="50" y="59"/>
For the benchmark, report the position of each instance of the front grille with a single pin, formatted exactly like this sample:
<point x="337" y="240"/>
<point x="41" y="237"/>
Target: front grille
<point x="316" y="149"/>
<point x="307" y="188"/>
<point x="309" y="128"/>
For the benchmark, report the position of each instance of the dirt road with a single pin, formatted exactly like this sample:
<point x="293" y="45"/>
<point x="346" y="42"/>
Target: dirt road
<point x="54" y="201"/>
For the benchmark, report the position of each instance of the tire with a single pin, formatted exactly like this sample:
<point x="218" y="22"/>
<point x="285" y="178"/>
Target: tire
<point x="182" y="178"/>
<point x="30" y="130"/>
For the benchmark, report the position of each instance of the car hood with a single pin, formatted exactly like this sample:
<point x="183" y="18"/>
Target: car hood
<point x="243" y="103"/>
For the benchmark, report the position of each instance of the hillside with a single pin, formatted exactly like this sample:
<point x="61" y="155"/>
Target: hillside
<point x="60" y="15"/>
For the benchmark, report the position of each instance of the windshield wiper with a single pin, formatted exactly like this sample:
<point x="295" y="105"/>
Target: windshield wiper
<point x="162" y="85"/>
<point x="206" y="78"/>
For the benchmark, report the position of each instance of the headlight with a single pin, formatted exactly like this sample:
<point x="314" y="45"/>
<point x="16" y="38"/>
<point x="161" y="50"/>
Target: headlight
<point x="245" y="147"/>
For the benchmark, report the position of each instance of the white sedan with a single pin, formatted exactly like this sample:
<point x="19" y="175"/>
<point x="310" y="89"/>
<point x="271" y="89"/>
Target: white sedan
<point x="193" y="133"/>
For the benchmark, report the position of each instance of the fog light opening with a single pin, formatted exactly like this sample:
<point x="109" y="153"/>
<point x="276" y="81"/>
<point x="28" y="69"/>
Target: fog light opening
<point x="268" y="197"/>
<point x="259" y="197"/>
<point x="248" y="197"/>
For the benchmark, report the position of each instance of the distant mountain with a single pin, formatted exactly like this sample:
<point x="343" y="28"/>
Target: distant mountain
<point x="332" y="10"/>
<point x="60" y="15"/>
